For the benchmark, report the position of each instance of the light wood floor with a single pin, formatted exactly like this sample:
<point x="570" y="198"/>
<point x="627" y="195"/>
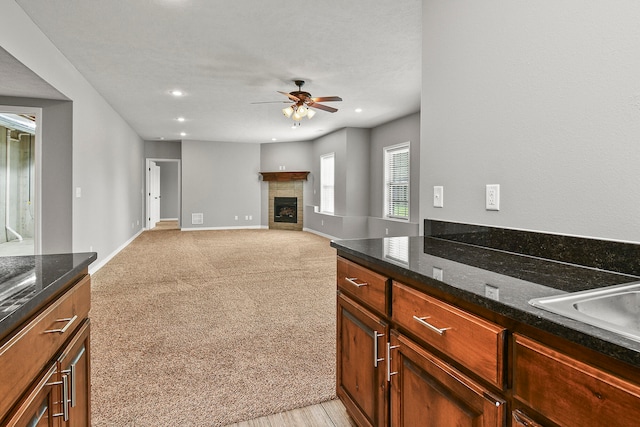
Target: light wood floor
<point x="326" y="414"/>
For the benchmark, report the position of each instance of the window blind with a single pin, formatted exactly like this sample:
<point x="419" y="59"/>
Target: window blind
<point x="327" y="173"/>
<point x="397" y="182"/>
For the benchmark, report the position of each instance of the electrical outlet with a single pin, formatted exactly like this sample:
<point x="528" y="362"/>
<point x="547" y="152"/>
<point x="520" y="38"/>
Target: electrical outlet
<point x="491" y="292"/>
<point x="386" y="231"/>
<point x="236" y="218"/>
<point x="246" y="217"/>
<point x="250" y="217"/>
<point x="438" y="194"/>
<point x="493" y="197"/>
<point x="438" y="273"/>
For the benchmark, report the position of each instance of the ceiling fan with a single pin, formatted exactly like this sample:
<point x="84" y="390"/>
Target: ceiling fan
<point x="302" y="101"/>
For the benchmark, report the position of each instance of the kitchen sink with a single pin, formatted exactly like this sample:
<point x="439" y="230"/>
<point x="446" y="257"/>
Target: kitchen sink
<point x="614" y="308"/>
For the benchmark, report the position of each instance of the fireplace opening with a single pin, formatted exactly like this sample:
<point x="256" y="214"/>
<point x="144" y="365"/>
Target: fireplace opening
<point x="285" y="209"/>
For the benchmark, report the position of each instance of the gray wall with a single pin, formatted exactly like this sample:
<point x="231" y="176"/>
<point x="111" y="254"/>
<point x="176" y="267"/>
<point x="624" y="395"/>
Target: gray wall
<point x="220" y="180"/>
<point x="294" y="157"/>
<point x="542" y="98"/>
<point x="405" y="129"/>
<point x="56" y="171"/>
<point x="96" y="151"/>
<point x="162" y="150"/>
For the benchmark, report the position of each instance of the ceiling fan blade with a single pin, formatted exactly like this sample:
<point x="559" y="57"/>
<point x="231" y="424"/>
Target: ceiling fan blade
<point x="291" y="97"/>
<point x="323" y="107"/>
<point x="327" y="99"/>
<point x="272" y="102"/>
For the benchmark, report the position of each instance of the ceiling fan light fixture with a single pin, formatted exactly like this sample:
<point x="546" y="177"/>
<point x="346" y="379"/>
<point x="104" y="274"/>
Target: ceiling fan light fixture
<point x="302" y="111"/>
<point x="296" y="116"/>
<point x="310" y="113"/>
<point x="288" y="111"/>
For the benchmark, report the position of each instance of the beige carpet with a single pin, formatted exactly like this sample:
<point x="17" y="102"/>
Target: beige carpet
<point x="209" y="328"/>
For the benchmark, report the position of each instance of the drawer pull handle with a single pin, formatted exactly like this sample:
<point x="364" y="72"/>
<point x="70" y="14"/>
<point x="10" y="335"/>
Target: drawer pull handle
<point x="376" y="359"/>
<point x="352" y="280"/>
<point x="439" y="331"/>
<point x="69" y="321"/>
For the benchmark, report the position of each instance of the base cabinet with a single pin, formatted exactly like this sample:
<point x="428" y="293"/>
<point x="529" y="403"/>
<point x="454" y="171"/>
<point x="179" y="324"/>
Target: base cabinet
<point x="54" y="345"/>
<point x="361" y="363"/>
<point x="426" y="391"/>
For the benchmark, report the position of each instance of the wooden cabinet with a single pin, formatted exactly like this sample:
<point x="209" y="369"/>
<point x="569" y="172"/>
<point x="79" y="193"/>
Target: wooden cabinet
<point x="570" y="392"/>
<point x="452" y="331"/>
<point x="38" y="407"/>
<point x="422" y="389"/>
<point x="45" y="380"/>
<point x="74" y="363"/>
<point x="428" y="392"/>
<point x="361" y="363"/>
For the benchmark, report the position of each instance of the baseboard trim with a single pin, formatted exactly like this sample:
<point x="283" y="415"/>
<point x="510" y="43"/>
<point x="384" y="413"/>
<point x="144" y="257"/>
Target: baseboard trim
<point x="309" y="230"/>
<point x="249" y="227"/>
<point x="95" y="267"/>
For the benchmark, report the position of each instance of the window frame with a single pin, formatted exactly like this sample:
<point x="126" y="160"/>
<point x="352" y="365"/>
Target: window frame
<point x="388" y="183"/>
<point x="325" y="186"/>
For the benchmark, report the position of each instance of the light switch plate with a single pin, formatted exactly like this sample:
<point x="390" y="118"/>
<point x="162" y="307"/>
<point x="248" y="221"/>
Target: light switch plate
<point x="438" y="195"/>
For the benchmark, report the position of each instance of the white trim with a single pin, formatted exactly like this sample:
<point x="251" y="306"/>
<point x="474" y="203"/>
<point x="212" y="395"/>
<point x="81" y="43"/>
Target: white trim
<point x="309" y="230"/>
<point x="148" y="161"/>
<point x="250" y="227"/>
<point x="95" y="267"/>
<point x="37" y="202"/>
<point x="169" y="219"/>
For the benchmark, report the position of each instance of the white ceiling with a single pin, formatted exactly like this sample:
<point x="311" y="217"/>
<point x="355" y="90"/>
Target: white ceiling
<point x="227" y="54"/>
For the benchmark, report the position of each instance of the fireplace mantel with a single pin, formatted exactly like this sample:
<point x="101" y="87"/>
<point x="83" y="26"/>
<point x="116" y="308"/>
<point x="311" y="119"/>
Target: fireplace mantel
<point x="284" y="176"/>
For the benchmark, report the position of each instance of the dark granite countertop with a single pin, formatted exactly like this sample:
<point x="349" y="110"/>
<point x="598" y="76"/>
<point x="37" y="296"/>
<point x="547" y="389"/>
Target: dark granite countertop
<point x="466" y="269"/>
<point x="27" y="282"/>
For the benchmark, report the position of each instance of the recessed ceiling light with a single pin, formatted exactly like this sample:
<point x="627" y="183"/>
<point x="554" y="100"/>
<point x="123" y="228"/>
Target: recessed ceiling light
<point x="162" y="137"/>
<point x="183" y="134"/>
<point x="358" y="110"/>
<point x="274" y="139"/>
<point x="176" y="92"/>
<point x="180" y="119"/>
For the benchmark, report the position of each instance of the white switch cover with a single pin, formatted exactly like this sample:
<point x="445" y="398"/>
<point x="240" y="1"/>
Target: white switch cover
<point x="493" y="197"/>
<point x="438" y="273"/>
<point x="438" y="195"/>
<point x="78" y="191"/>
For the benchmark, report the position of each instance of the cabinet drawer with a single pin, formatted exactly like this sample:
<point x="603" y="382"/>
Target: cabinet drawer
<point x="28" y="351"/>
<point x="365" y="285"/>
<point x="570" y="392"/>
<point x="474" y="342"/>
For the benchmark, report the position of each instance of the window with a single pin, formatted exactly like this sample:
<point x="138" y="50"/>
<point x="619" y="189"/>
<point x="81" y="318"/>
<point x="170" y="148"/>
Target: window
<point x="327" y="183"/>
<point x="396" y="198"/>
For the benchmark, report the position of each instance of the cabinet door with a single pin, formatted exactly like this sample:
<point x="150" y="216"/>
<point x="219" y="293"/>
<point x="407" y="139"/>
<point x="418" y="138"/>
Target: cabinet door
<point x="519" y="419"/>
<point x="427" y="392"/>
<point x="74" y="362"/>
<point x="361" y="365"/>
<point x="40" y="406"/>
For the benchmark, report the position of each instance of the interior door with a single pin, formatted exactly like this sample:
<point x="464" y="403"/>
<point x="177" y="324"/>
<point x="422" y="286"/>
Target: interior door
<point x="154" y="194"/>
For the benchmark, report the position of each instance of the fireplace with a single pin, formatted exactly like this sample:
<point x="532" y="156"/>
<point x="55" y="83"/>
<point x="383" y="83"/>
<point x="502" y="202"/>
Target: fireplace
<point x="285" y="209"/>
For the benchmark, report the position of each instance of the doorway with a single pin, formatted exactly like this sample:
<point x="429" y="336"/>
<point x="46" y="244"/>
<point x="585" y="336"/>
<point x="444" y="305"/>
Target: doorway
<point x="19" y="180"/>
<point x="163" y="191"/>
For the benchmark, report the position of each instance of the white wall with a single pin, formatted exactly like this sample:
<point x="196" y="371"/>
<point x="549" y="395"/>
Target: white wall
<point x="542" y="98"/>
<point x="221" y="181"/>
<point x="107" y="154"/>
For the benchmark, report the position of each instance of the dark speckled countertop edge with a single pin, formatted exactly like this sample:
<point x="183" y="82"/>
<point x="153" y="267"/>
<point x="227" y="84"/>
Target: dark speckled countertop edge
<point x="55" y="283"/>
<point x="600" y="340"/>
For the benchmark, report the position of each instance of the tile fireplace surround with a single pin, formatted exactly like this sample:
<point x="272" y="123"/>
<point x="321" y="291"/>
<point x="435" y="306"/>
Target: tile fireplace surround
<point x="285" y="184"/>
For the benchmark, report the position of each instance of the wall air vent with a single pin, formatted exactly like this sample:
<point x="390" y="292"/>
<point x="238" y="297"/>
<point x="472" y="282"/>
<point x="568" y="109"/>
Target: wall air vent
<point x="197" y="218"/>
